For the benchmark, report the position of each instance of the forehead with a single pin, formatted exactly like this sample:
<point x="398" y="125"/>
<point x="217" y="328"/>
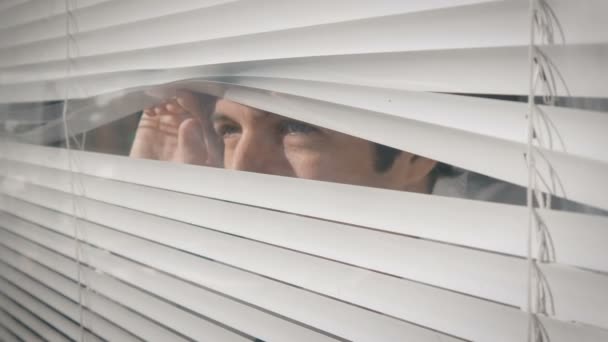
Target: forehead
<point x="239" y="112"/>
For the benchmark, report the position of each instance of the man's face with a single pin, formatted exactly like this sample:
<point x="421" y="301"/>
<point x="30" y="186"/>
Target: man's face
<point x="263" y="142"/>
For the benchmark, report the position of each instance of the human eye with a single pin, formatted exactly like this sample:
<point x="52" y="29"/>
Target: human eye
<point x="293" y="127"/>
<point x="227" y="130"/>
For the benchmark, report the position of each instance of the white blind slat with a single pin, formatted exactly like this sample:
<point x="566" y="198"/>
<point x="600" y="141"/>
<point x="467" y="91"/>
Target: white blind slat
<point x="38" y="318"/>
<point x="379" y="35"/>
<point x="239" y="316"/>
<point x="235" y="18"/>
<point x="492" y="118"/>
<point x="299" y="305"/>
<point x="142" y="328"/>
<point x="471" y="223"/>
<point x="500" y="70"/>
<point x="18" y="328"/>
<point x="30" y="11"/>
<point x="7" y="335"/>
<point x="367" y="287"/>
<point x="190" y="325"/>
<point x="215" y="254"/>
<point x="575" y="177"/>
<point x="65" y="316"/>
<point x="93" y="16"/>
<point x="440" y="265"/>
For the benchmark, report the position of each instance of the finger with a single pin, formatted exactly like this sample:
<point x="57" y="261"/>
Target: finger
<point x="191" y="147"/>
<point x="188" y="101"/>
<point x="149" y="112"/>
<point x="160" y="110"/>
<point x="174" y="107"/>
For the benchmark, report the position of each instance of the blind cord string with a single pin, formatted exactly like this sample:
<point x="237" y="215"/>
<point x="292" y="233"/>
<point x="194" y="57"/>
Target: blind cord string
<point x="67" y="136"/>
<point x="541" y="186"/>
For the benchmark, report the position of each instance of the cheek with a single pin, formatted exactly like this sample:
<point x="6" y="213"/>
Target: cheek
<point x="351" y="163"/>
<point x="306" y="163"/>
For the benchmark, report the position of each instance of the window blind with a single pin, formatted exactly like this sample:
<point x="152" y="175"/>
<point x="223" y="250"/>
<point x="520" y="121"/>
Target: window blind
<point x="102" y="247"/>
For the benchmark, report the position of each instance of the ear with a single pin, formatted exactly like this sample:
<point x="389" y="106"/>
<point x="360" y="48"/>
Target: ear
<point x="411" y="172"/>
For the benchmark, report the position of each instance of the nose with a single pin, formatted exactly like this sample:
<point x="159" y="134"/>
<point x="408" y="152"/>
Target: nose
<point x="260" y="153"/>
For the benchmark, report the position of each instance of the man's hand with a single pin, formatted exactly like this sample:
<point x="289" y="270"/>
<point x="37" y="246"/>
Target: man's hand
<point x="179" y="130"/>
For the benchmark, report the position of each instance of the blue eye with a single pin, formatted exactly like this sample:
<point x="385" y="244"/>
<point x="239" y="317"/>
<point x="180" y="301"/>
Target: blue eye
<point x="297" y="127"/>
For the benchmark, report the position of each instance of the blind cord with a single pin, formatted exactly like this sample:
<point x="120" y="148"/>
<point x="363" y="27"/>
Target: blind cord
<point x="530" y="162"/>
<point x="67" y="137"/>
<point x="543" y="72"/>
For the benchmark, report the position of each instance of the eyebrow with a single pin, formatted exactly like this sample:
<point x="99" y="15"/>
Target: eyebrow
<point x="219" y="116"/>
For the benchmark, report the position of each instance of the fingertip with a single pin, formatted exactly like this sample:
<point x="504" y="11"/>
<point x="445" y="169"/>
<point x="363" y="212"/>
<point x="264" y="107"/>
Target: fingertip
<point x="158" y="110"/>
<point x="174" y="107"/>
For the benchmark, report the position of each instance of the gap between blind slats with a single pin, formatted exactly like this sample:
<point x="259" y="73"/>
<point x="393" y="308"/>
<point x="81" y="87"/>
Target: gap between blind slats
<point x="136" y="21"/>
<point x="118" y="314"/>
<point x="509" y="326"/>
<point x="582" y="131"/>
<point x="300" y="305"/>
<point x="574" y="177"/>
<point x="384" y="34"/>
<point x="32" y="11"/>
<point x="577" y="178"/>
<point x="58" y="311"/>
<point x="20" y="329"/>
<point x="496" y="70"/>
<point x="368" y="207"/>
<point x="445" y="266"/>
<point x="577" y="132"/>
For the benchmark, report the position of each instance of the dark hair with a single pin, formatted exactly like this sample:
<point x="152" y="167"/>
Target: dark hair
<point x="385" y="158"/>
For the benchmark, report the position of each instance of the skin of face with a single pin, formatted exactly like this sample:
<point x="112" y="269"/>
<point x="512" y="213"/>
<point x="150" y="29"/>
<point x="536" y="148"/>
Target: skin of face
<point x="203" y="130"/>
<point x="263" y="142"/>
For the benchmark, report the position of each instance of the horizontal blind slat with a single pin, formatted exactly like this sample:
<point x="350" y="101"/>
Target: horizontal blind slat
<point x="496" y="70"/>
<point x="189" y="324"/>
<point x="446" y="266"/>
<point x="7" y="4"/>
<point x="246" y="18"/>
<point x="577" y="178"/>
<point x="45" y="322"/>
<point x="95" y="16"/>
<point x="209" y="304"/>
<point x="558" y="331"/>
<point x="7" y="336"/>
<point x="20" y="329"/>
<point x="61" y="313"/>
<point x="109" y="310"/>
<point x="300" y="305"/>
<point x="492" y="118"/>
<point x="36" y="10"/>
<point x="472" y="223"/>
<point x="379" y="35"/>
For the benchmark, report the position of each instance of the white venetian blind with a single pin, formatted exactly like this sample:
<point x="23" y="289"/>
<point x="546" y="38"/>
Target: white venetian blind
<point x="102" y="247"/>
